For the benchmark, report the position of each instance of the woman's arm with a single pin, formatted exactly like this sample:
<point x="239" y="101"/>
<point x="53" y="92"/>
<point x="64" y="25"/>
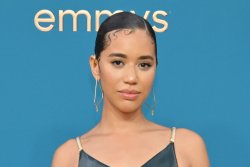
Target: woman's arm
<point x="66" y="155"/>
<point x="199" y="156"/>
<point x="192" y="148"/>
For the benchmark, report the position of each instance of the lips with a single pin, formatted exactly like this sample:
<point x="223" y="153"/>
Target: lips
<point x="129" y="94"/>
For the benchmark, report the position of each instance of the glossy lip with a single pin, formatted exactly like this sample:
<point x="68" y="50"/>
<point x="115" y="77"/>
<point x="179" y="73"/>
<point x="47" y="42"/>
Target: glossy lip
<point x="129" y="94"/>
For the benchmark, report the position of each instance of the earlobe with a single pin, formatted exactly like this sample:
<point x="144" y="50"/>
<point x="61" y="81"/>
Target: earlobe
<point x="94" y="67"/>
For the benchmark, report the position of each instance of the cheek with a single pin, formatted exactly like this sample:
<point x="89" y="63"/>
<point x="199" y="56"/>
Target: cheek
<point x="147" y="79"/>
<point x="147" y="83"/>
<point x="109" y="78"/>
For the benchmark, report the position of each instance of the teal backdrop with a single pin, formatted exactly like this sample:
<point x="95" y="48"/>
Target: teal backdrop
<point x="202" y="82"/>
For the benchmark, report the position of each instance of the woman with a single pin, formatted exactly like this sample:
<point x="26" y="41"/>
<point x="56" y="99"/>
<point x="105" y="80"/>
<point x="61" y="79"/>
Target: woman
<point x="125" y="63"/>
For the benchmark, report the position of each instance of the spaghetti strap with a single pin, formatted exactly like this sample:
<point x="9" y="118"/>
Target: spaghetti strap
<point x="172" y="134"/>
<point x="79" y="143"/>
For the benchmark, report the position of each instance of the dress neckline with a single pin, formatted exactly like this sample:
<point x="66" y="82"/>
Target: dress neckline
<point x="145" y="163"/>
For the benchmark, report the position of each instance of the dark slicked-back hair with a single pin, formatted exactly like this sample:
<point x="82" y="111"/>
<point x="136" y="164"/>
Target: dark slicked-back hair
<point x="119" y="21"/>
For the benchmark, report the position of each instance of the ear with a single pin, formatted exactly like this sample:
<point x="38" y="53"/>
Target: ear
<point x="94" y="67"/>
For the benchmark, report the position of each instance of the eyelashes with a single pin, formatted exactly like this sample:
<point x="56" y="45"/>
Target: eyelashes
<point x="120" y="64"/>
<point x="145" y="65"/>
<point x="117" y="63"/>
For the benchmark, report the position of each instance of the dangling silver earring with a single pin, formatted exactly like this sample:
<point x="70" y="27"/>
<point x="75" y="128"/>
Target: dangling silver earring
<point x="154" y="105"/>
<point x="96" y="103"/>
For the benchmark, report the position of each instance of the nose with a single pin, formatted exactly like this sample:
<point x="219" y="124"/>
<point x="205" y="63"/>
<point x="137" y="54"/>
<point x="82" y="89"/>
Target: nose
<point x="131" y="76"/>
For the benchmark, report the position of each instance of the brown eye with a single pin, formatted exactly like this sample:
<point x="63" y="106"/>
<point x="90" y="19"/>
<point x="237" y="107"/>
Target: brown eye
<point x="144" y="66"/>
<point x="117" y="63"/>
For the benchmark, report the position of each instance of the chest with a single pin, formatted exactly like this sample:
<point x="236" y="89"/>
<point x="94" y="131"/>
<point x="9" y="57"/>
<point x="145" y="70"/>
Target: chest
<point x="163" y="158"/>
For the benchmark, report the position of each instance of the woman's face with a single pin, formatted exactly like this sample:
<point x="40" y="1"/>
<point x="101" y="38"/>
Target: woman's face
<point x="126" y="69"/>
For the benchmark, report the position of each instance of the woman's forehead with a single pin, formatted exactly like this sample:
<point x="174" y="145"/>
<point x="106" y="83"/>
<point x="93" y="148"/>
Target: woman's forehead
<point x="131" y="38"/>
<point x="135" y="44"/>
<point x="113" y="35"/>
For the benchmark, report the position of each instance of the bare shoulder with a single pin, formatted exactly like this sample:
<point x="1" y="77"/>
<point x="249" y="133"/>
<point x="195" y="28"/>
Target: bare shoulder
<point x="191" y="147"/>
<point x="189" y="137"/>
<point x="66" y="155"/>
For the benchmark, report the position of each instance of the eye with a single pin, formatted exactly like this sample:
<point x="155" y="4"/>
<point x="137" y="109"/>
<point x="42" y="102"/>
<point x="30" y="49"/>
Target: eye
<point x="117" y="63"/>
<point x="144" y="66"/>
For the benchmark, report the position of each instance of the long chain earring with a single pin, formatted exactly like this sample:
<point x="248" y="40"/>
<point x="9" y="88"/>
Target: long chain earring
<point x="96" y="103"/>
<point x="154" y="105"/>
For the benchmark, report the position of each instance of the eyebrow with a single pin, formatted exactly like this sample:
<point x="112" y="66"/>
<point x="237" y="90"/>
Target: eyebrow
<point x="121" y="55"/>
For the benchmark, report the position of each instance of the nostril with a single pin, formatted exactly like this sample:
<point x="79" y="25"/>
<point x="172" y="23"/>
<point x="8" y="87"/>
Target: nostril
<point x="131" y="80"/>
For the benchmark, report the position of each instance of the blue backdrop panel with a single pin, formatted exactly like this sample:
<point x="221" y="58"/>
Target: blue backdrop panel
<point x="202" y="82"/>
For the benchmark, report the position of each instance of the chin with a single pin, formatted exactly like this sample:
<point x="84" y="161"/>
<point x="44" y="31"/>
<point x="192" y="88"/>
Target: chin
<point x="128" y="107"/>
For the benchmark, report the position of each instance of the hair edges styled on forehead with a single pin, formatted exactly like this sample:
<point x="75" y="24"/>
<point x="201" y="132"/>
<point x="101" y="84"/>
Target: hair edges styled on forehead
<point x="118" y="22"/>
<point x="107" y="38"/>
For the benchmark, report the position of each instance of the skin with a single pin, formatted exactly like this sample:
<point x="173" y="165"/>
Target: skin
<point x="128" y="62"/>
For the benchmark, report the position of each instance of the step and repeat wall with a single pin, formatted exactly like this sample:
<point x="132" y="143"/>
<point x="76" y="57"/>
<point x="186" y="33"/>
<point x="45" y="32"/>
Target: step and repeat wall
<point x="47" y="89"/>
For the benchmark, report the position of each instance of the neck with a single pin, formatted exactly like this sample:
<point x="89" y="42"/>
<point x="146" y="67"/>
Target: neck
<point x="120" y="122"/>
